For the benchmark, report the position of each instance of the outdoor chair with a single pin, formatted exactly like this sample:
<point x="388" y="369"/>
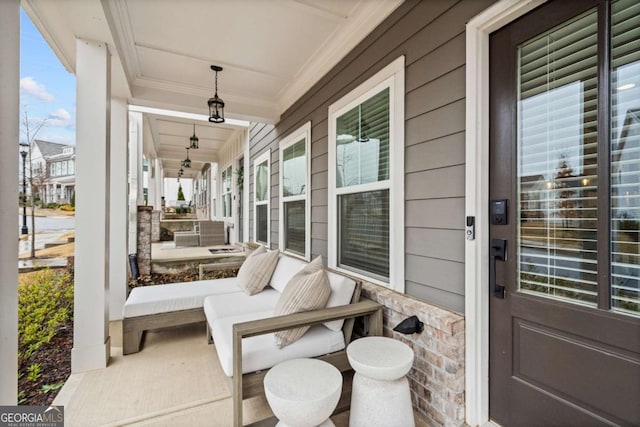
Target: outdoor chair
<point x="186" y="238"/>
<point x="211" y="233"/>
<point x="205" y="233"/>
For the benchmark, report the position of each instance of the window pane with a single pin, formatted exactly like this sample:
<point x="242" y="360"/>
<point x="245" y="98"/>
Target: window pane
<point x="364" y="232"/>
<point x="625" y="156"/>
<point x="226" y="180"/>
<point x="294" y="227"/>
<point x="226" y="208"/>
<point x="261" y="221"/>
<point x="261" y="182"/>
<point x="294" y="169"/>
<point x="557" y="162"/>
<point x="362" y="142"/>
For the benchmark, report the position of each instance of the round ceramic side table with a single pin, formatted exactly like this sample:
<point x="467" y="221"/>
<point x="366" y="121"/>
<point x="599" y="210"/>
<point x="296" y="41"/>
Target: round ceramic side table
<point x="303" y="392"/>
<point x="380" y="395"/>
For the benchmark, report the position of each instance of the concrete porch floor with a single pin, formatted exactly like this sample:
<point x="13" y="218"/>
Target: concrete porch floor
<point x="175" y="380"/>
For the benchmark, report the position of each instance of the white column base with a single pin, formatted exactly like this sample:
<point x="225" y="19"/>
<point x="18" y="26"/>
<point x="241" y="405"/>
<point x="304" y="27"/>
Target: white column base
<point x="89" y="358"/>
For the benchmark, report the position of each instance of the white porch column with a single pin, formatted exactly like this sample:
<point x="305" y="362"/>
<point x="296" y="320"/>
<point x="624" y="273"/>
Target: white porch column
<point x="91" y="341"/>
<point x="118" y="209"/>
<point x="157" y="184"/>
<point x="9" y="134"/>
<point x="135" y="176"/>
<point x="151" y="199"/>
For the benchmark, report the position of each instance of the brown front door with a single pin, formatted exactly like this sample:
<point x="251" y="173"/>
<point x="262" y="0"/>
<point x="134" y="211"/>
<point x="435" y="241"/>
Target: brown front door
<point x="565" y="206"/>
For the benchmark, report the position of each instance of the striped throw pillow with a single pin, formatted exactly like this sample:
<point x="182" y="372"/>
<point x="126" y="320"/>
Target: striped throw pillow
<point x="308" y="290"/>
<point x="256" y="270"/>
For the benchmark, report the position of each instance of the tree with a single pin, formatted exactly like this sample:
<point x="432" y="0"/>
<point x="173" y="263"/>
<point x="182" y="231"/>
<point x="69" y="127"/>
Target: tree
<point x="29" y="131"/>
<point x="564" y="182"/>
<point x="180" y="193"/>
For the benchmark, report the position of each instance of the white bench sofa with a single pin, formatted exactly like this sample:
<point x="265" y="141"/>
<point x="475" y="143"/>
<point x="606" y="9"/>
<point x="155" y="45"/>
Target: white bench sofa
<point x="242" y="326"/>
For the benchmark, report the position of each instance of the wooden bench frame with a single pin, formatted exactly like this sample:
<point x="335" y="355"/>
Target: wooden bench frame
<point x="133" y="328"/>
<point x="251" y="384"/>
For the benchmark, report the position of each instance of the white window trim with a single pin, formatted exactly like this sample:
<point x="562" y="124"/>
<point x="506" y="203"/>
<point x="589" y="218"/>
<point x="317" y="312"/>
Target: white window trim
<point x="266" y="156"/>
<point x="391" y="76"/>
<point x="222" y="193"/>
<point x="477" y="204"/>
<point x="303" y="131"/>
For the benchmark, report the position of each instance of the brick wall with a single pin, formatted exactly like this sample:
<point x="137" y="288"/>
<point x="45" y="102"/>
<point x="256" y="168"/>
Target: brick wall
<point x="144" y="239"/>
<point x="437" y="376"/>
<point x="155" y="226"/>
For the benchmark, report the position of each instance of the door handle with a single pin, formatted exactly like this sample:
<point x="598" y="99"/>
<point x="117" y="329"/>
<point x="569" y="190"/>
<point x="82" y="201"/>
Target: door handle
<point x="498" y="253"/>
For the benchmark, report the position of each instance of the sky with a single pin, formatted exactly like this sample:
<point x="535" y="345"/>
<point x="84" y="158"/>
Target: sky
<point x="47" y="89"/>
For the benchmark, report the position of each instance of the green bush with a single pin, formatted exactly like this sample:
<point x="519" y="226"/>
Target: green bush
<point x="51" y="205"/>
<point x="73" y="199"/>
<point x="45" y="302"/>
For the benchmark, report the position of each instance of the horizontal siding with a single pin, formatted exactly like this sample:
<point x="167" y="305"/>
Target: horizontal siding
<point x="431" y="35"/>
<point x="435" y="243"/>
<point x="440" y="274"/>
<point x="440" y="152"/>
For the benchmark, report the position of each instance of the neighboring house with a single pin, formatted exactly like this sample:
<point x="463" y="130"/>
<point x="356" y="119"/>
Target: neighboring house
<point x="53" y="171"/>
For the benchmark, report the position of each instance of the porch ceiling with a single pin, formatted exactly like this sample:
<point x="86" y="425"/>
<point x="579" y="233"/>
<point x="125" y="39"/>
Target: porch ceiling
<point x="272" y="52"/>
<point x="170" y="136"/>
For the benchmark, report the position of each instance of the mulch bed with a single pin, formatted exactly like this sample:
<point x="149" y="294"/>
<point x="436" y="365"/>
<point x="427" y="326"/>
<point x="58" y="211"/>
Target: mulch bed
<point x="55" y="367"/>
<point x="55" y="357"/>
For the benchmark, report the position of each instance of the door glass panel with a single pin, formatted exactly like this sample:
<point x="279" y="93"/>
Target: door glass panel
<point x="625" y="156"/>
<point x="557" y="162"/>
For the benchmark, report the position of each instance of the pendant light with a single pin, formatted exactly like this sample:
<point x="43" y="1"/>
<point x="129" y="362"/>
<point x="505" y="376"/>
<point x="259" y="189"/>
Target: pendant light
<point x="187" y="162"/>
<point x="216" y="105"/>
<point x="193" y="140"/>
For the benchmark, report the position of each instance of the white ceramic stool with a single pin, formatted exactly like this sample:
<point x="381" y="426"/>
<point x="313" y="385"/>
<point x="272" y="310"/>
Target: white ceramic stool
<point x="303" y="392"/>
<point x="380" y="395"/>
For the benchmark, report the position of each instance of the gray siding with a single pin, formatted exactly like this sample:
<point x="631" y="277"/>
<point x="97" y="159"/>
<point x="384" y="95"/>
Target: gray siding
<point x="431" y="35"/>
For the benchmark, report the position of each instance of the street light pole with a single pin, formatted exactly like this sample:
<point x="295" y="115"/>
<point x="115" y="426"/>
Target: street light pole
<point x="23" y="152"/>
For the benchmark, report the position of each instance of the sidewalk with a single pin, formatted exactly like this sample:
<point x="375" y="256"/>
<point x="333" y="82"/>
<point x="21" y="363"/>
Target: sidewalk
<point x="51" y="226"/>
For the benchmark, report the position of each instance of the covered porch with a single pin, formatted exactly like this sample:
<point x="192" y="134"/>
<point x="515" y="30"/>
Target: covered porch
<point x="395" y="91"/>
<point x="138" y="390"/>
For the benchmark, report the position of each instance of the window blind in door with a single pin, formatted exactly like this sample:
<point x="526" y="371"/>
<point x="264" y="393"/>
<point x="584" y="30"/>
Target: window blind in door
<point x="557" y="161"/>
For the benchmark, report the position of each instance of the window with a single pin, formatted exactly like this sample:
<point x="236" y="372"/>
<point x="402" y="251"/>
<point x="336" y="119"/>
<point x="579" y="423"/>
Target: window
<point x="72" y="169"/>
<point x="295" y="212"/>
<point x="226" y="192"/>
<point x="261" y="194"/>
<point x="366" y="179"/>
<point x="58" y="168"/>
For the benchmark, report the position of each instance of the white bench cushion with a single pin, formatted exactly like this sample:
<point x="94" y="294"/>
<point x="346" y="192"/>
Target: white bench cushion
<point x="218" y="306"/>
<point x="287" y="268"/>
<point x="341" y="293"/>
<point x="171" y="297"/>
<point x="261" y="352"/>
